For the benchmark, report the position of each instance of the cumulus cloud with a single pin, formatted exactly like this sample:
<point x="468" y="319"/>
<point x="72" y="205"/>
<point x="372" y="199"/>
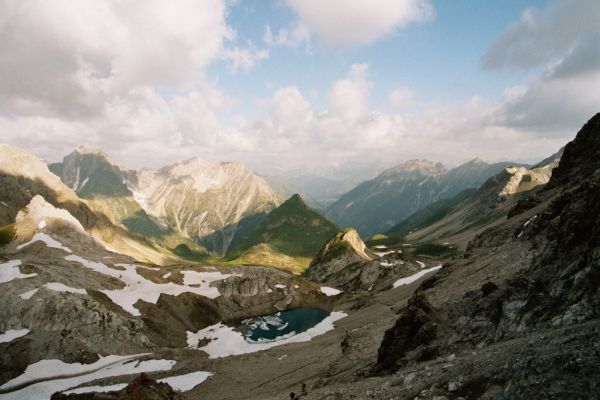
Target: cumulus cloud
<point x="348" y="97"/>
<point x="564" y="39"/>
<point x="117" y="75"/>
<point x="351" y="22"/>
<point x="541" y="36"/>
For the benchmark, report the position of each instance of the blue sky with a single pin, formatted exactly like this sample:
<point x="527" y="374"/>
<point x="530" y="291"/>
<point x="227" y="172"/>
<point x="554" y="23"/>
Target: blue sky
<point x="439" y="60"/>
<point x="284" y="85"/>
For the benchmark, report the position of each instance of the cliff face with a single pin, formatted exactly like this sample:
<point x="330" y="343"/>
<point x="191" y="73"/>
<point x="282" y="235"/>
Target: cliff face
<point x="524" y="286"/>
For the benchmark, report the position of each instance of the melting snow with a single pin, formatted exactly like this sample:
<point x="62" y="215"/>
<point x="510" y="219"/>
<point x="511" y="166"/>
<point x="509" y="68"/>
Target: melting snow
<point x="181" y="383"/>
<point x="10" y="270"/>
<point x="383" y="253"/>
<point x="410" y="279"/>
<point x="59" y="287"/>
<point x="103" y="368"/>
<point x="46" y="239"/>
<point x="328" y="291"/>
<point x="225" y="341"/>
<point x="140" y="288"/>
<point x="11" y="335"/>
<point x="29" y="294"/>
<point x="99" y="389"/>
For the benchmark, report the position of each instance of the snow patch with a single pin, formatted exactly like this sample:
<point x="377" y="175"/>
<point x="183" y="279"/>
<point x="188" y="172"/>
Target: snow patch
<point x="410" y="279"/>
<point x="280" y="286"/>
<point x="10" y="270"/>
<point x="165" y="276"/>
<point x="99" y="389"/>
<point x="383" y="253"/>
<point x="183" y="383"/>
<point x="11" y="335"/>
<point x="225" y="341"/>
<point x="48" y="240"/>
<point x="59" y="287"/>
<point x="139" y="288"/>
<point x="381" y="246"/>
<point x="328" y="291"/>
<point x="42" y="224"/>
<point x="49" y="370"/>
<point x="421" y="264"/>
<point x="386" y="264"/>
<point x="29" y="294"/>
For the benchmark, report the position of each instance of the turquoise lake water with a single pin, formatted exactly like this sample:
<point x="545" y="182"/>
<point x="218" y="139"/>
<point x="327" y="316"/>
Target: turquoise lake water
<point x="281" y="325"/>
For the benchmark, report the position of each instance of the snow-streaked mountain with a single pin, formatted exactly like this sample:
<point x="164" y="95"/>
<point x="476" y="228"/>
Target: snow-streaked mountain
<point x="204" y="202"/>
<point x="24" y="177"/>
<point x="376" y="205"/>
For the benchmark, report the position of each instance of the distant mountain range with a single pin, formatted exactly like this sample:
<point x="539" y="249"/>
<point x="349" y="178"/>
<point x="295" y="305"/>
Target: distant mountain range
<point x="378" y="204"/>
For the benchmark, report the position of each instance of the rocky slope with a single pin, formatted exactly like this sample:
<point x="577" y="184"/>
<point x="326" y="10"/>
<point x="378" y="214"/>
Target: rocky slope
<point x="377" y="205"/>
<point x="528" y="282"/>
<point x="292" y="230"/>
<point x="345" y="262"/>
<point x="74" y="300"/>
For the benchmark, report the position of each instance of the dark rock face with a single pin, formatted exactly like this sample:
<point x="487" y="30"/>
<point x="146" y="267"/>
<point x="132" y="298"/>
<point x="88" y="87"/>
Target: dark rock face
<point x="416" y="327"/>
<point x="527" y="276"/>
<point x="141" y="388"/>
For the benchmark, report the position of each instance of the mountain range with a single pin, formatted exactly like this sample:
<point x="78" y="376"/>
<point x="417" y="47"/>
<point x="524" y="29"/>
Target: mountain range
<point x="194" y="202"/>
<point x="87" y="304"/>
<point x="376" y="205"/>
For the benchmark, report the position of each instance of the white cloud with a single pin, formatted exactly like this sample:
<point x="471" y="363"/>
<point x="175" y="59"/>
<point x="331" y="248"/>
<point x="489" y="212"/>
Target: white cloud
<point x="289" y="37"/>
<point x="67" y="59"/>
<point x="564" y="39"/>
<point x="244" y="58"/>
<point x="542" y="36"/>
<point x="348" y="97"/>
<point x="358" y="22"/>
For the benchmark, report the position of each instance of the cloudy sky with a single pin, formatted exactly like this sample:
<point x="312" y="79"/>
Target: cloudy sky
<point x="287" y="84"/>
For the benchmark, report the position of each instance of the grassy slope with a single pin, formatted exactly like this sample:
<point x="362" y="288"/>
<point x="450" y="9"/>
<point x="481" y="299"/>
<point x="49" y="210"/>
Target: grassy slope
<point x="291" y="234"/>
<point x="7" y="233"/>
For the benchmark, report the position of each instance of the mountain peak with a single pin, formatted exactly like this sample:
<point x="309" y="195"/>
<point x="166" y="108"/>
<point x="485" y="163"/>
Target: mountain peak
<point x="96" y="152"/>
<point x="580" y="157"/>
<point x="424" y="167"/>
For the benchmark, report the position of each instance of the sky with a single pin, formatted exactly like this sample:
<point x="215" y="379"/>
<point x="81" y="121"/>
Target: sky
<point x="296" y="85"/>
